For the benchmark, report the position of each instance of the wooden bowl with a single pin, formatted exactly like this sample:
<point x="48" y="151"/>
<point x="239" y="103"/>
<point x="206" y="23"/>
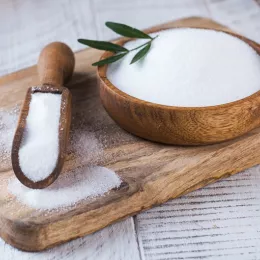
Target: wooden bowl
<point x="180" y="125"/>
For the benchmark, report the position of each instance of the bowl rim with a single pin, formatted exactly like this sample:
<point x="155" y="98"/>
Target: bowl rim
<point x="102" y="71"/>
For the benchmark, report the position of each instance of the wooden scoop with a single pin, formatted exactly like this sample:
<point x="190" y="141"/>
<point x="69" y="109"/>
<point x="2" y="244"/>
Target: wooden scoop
<point x="55" y="67"/>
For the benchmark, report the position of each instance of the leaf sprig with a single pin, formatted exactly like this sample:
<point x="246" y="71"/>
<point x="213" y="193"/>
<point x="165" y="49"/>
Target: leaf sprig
<point x="118" y="50"/>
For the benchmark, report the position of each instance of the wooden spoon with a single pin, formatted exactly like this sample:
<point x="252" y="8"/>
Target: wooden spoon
<point x="55" y="67"/>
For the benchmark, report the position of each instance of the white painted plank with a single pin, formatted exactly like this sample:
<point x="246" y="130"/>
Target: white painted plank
<point x="143" y="14"/>
<point x="27" y="26"/>
<point x="221" y="221"/>
<point x="241" y="15"/>
<point x="116" y="242"/>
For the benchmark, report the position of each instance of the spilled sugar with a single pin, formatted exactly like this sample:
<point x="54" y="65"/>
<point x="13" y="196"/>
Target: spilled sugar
<point x="189" y="67"/>
<point x="69" y="188"/>
<point x="85" y="147"/>
<point x="39" y="149"/>
<point x="8" y="121"/>
<point x="88" y="138"/>
<point x="72" y="186"/>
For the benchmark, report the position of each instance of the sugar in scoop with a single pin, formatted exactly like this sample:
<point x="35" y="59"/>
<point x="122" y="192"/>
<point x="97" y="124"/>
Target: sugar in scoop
<point x="42" y="133"/>
<point x="189" y="67"/>
<point x="39" y="148"/>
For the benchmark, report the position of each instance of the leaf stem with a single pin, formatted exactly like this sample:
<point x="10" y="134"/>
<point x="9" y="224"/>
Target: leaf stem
<point x="143" y="44"/>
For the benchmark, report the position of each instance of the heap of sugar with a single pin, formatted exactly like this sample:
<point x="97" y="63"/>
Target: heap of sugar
<point x="39" y="149"/>
<point x="68" y="189"/>
<point x="189" y="67"/>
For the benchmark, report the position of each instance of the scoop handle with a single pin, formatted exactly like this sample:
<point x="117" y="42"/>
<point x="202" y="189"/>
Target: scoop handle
<point x="56" y="64"/>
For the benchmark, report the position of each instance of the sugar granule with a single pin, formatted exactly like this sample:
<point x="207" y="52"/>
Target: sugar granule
<point x="189" y="67"/>
<point x="39" y="149"/>
<point x="70" y="188"/>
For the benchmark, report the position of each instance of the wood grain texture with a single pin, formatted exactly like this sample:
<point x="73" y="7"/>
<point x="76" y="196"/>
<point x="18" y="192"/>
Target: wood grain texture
<point x="56" y="64"/>
<point x="180" y="125"/>
<point x="154" y="173"/>
<point x="116" y="242"/>
<point x="55" y="67"/>
<point x="218" y="222"/>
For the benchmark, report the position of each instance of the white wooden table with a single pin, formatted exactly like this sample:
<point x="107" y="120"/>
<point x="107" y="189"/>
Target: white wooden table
<point x="221" y="221"/>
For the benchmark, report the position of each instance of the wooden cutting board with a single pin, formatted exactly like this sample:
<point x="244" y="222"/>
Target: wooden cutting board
<point x="152" y="173"/>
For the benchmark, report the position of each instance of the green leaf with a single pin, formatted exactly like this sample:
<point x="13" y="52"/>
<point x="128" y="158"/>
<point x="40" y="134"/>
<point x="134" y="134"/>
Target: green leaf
<point x="109" y="60"/>
<point x="101" y="45"/>
<point x="139" y="55"/>
<point x="127" y="31"/>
